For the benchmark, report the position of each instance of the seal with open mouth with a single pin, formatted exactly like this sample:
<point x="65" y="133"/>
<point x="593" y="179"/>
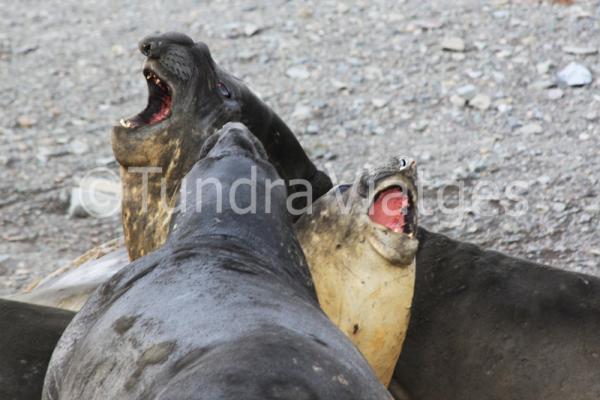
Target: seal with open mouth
<point x="189" y="98"/>
<point x="224" y="310"/>
<point x="360" y="245"/>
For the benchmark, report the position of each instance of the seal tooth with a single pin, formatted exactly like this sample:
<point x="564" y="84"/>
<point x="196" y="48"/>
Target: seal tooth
<point x="125" y="124"/>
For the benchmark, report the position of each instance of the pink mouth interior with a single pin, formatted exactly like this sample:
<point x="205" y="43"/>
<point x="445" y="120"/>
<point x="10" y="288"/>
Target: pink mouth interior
<point x="390" y="209"/>
<point x="163" y="112"/>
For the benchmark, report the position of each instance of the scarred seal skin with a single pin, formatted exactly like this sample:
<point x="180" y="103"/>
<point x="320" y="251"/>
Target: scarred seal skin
<point x="363" y="261"/>
<point x="189" y="98"/>
<point x="224" y="310"/>
<point x="485" y="325"/>
<point x="28" y="334"/>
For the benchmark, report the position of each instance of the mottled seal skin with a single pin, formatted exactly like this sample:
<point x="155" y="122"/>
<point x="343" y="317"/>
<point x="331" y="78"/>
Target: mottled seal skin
<point x="364" y="271"/>
<point x="488" y="326"/>
<point x="28" y="334"/>
<point x="191" y="97"/>
<point x="224" y="310"/>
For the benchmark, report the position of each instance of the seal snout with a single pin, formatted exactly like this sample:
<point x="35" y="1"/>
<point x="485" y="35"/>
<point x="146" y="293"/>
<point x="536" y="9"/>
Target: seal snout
<point x="235" y="137"/>
<point x="153" y="46"/>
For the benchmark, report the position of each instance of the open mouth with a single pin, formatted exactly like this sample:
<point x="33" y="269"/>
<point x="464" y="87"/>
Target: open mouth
<point x="160" y="100"/>
<point x="393" y="208"/>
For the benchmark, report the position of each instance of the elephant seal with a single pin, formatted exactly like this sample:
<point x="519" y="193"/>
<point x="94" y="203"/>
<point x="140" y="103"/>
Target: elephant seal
<point x="360" y="246"/>
<point x="485" y="325"/>
<point x="189" y="98"/>
<point x="224" y="310"/>
<point x="28" y="334"/>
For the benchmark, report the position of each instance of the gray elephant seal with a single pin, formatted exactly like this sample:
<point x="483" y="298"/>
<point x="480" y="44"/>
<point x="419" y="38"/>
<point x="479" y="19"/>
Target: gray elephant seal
<point x="189" y="98"/>
<point x="360" y="246"/>
<point x="488" y="326"/>
<point x="28" y="334"/>
<point x="224" y="310"/>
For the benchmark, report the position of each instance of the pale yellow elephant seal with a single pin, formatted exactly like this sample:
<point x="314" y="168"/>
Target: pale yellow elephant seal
<point x="360" y="245"/>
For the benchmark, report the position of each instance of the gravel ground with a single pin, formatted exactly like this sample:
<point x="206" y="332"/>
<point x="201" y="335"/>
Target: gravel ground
<point x="356" y="80"/>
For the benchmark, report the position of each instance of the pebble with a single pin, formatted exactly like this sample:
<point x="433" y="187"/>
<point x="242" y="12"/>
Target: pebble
<point x="543" y="67"/>
<point x="481" y="102"/>
<point x="95" y="197"/>
<point x="559" y="207"/>
<point x="530" y="129"/>
<point x="575" y="74"/>
<point x="544" y="180"/>
<point x="419" y="126"/>
<point x="45" y="153"/>
<point x="467" y="92"/>
<point x="584" y="136"/>
<point x="453" y="44"/>
<point x="302" y="112"/>
<point x="580" y="51"/>
<point x="555" y="94"/>
<point x="457" y="101"/>
<point x="379" y="103"/>
<point x="298" y="72"/>
<point x="78" y="147"/>
<point x="312" y="129"/>
<point x="543" y="84"/>
<point x="26" y="121"/>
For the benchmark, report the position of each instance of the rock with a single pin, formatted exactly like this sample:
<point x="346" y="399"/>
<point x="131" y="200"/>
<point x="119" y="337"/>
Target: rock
<point x="298" y="72"/>
<point x="78" y="147"/>
<point x="312" y="129"/>
<point x="457" y="101"/>
<point x="575" y="74"/>
<point x="45" y="153"/>
<point x="543" y="84"/>
<point x="251" y="30"/>
<point x="419" y="126"/>
<point x="96" y="197"/>
<point x="503" y="107"/>
<point x="26" y="121"/>
<point x="379" y="103"/>
<point x="453" y="44"/>
<point x="559" y="207"/>
<point x="530" y="129"/>
<point x="481" y="102"/>
<point x="584" y="136"/>
<point x="580" y="51"/>
<point x="555" y="94"/>
<point x="543" y="67"/>
<point x="429" y="24"/>
<point x="544" y="180"/>
<point x="302" y="112"/>
<point x="467" y="92"/>
<point x="339" y="85"/>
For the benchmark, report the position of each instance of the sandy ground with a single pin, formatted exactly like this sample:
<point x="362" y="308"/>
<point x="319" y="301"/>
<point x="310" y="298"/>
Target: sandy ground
<point x="516" y="169"/>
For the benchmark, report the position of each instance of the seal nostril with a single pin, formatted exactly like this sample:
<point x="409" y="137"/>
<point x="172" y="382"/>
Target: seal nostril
<point x="146" y="47"/>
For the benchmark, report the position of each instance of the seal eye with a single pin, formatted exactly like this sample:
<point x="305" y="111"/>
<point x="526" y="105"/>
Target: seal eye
<point x="223" y="90"/>
<point x="343" y="188"/>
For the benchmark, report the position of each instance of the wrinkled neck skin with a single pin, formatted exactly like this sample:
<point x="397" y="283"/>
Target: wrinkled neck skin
<point x="152" y="169"/>
<point x="366" y="292"/>
<point x="267" y="232"/>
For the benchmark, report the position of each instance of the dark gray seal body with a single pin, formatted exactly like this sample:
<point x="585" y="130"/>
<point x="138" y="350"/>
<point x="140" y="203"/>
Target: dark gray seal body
<point x="224" y="310"/>
<point x="28" y="334"/>
<point x="488" y="326"/>
<point x="189" y="98"/>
